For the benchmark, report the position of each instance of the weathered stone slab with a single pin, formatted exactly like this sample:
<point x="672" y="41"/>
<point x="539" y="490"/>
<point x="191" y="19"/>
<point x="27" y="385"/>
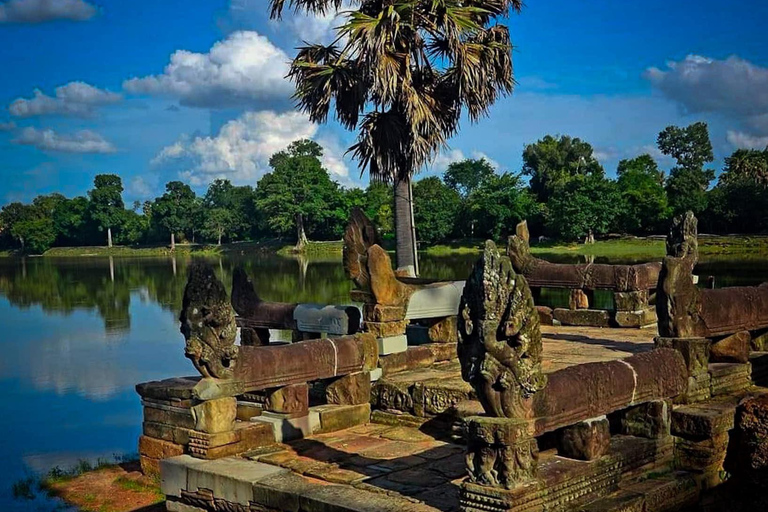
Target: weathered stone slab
<point x="339" y="417"/>
<point x="351" y="389"/>
<point x="328" y="319"/>
<point x="392" y="344"/>
<point x="165" y="432"/>
<point x="668" y="493"/>
<point x="435" y="301"/>
<point x="177" y="388"/>
<point x="393" y="396"/>
<point x="545" y="315"/>
<point x="639" y="318"/>
<point x="698" y="389"/>
<point x="214" y="416"/>
<point x="695" y="351"/>
<point x="167" y="415"/>
<point x="286" y="428"/>
<point x="702" y="455"/>
<point x="230" y="479"/>
<point x="732" y="349"/>
<point x="293" y="400"/>
<point x="631" y="301"/>
<point x="386" y="329"/>
<point x="435" y="396"/>
<point x="703" y="420"/>
<point x="651" y="420"/>
<point x="245" y="437"/>
<point x="173" y="474"/>
<point x="444" y="330"/>
<point x="247" y="410"/>
<point x="759" y="341"/>
<point x="583" y="317"/>
<point x="158" y="449"/>
<point x="586" y="440"/>
<point x="379" y="313"/>
<point x="729" y="377"/>
<point x="414" y="357"/>
<point x="211" y="389"/>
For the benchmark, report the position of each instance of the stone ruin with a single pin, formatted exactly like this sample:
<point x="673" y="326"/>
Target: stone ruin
<point x="632" y="287"/>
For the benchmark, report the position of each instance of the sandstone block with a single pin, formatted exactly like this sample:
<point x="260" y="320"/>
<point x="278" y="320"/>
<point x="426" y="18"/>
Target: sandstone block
<point x="578" y="300"/>
<point x="728" y="378"/>
<point x="415" y="357"/>
<point x="752" y="430"/>
<point x="733" y="349"/>
<point x="587" y="440"/>
<point x="702" y="420"/>
<point x="158" y="449"/>
<point x="230" y="479"/>
<point x="292" y="399"/>
<point x="330" y="319"/>
<point x="386" y="329"/>
<point x="698" y="389"/>
<point x="759" y="342"/>
<point x="650" y="420"/>
<point x="433" y="397"/>
<point x="392" y="344"/>
<point x="702" y="455"/>
<point x="442" y="351"/>
<point x="286" y="428"/>
<point x="695" y="351"/>
<point x="351" y="389"/>
<point x="444" y="330"/>
<point x="247" y="410"/>
<point x="214" y="416"/>
<point x="165" y="432"/>
<point x="379" y="313"/>
<point x="630" y="301"/>
<point x="435" y="301"/>
<point x="340" y="417"/>
<point x="545" y="315"/>
<point x="583" y="317"/>
<point x="639" y="318"/>
<point x="171" y="416"/>
<point x="149" y="466"/>
<point x="392" y="396"/>
<point x="177" y="388"/>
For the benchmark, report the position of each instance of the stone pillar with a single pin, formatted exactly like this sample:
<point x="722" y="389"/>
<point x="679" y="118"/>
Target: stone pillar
<point x="501" y="452"/>
<point x="586" y="440"/>
<point x="695" y="353"/>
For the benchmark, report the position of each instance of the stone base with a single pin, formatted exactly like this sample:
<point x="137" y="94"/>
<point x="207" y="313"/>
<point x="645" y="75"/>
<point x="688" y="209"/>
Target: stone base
<point x="732" y="349"/>
<point x="245" y="437"/>
<point x="392" y="344"/>
<point x="729" y="378"/>
<point x="586" y="440"/>
<point x="583" y="317"/>
<point x="638" y="318"/>
<point x="564" y="484"/>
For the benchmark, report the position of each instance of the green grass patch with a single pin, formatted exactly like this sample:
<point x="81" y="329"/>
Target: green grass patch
<point x="331" y="247"/>
<point x="133" y="485"/>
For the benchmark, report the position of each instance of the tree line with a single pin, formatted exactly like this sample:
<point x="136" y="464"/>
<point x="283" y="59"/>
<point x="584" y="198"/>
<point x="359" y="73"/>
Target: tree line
<point x="566" y="195"/>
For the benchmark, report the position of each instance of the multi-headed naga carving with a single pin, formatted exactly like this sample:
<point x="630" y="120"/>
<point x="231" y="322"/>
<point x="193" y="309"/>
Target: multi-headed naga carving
<point x="500" y="340"/>
<point x="208" y="323"/>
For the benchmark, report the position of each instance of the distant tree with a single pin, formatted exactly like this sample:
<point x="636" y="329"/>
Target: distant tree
<point x="37" y="234"/>
<point x="13" y="214"/>
<point x="589" y="204"/>
<point x="435" y="208"/>
<point x="238" y="201"/>
<point x="465" y="176"/>
<point x="218" y="223"/>
<point x="551" y="162"/>
<point x="746" y="165"/>
<point x="70" y="219"/>
<point x="688" y="181"/>
<point x="106" y="207"/>
<point x="134" y="228"/>
<point x="173" y="210"/>
<point x="298" y="183"/>
<point x="644" y="201"/>
<point x="498" y="204"/>
<point x="378" y="207"/>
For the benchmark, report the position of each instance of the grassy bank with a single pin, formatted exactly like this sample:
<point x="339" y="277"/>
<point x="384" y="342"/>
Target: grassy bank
<point x="333" y="247"/>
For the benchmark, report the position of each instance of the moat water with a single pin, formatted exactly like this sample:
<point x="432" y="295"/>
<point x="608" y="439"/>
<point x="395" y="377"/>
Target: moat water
<point x="76" y="336"/>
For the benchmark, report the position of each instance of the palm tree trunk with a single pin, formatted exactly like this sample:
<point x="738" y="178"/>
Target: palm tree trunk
<point x="405" y="230"/>
<point x="109" y="237"/>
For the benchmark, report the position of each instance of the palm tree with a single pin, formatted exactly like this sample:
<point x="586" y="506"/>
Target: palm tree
<point x="401" y="72"/>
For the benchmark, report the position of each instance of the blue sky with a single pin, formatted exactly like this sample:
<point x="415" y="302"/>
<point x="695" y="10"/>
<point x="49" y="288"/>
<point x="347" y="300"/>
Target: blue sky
<point x="193" y="90"/>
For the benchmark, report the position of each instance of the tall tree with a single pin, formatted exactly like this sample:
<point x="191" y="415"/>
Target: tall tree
<point x="174" y="210"/>
<point x="238" y="201"/>
<point x="297" y="184"/>
<point x="583" y="205"/>
<point x="465" y="176"/>
<point x="107" y="206"/>
<point x="688" y="181"/>
<point x="436" y="208"/>
<point x="401" y="72"/>
<point x="746" y="165"/>
<point x="498" y="204"/>
<point x="218" y="222"/>
<point x="553" y="161"/>
<point x="644" y="201"/>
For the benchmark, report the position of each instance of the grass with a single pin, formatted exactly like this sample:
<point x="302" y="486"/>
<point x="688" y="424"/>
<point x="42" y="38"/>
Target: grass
<point x="315" y="248"/>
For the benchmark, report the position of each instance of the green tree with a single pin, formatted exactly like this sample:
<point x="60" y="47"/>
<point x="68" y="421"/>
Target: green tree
<point x="218" y="222"/>
<point x="688" y="181"/>
<point x="551" y="162"/>
<point x="378" y="206"/>
<point x="465" y="176"/>
<point x="107" y="207"/>
<point x="436" y="206"/>
<point x="298" y="183"/>
<point x="238" y="201"/>
<point x="37" y="234"/>
<point x="589" y="204"/>
<point x="173" y="211"/>
<point x="498" y="204"/>
<point x="13" y="214"/>
<point x="746" y="165"/>
<point x="70" y="220"/>
<point x="401" y="73"/>
<point x="645" y="208"/>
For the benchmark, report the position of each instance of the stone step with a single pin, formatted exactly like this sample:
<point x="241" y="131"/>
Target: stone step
<point x="665" y="493"/>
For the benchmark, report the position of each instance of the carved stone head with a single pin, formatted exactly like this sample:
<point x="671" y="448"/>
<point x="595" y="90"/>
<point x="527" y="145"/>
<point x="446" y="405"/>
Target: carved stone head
<point x="500" y="340"/>
<point x="208" y="323"/>
<point x="359" y="235"/>
<point x="518" y="248"/>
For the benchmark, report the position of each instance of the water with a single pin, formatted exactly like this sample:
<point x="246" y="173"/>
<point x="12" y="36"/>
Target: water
<point x="76" y="335"/>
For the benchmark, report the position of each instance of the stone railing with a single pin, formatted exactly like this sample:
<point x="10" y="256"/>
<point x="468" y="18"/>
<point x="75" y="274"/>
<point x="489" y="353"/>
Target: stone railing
<point x="631" y="285"/>
<point x="250" y="396"/>
<point x="413" y="320"/>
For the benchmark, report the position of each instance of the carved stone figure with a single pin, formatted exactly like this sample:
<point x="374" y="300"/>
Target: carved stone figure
<point x="208" y="323"/>
<point x="500" y="452"/>
<point x="359" y="235"/>
<point x="500" y="340"/>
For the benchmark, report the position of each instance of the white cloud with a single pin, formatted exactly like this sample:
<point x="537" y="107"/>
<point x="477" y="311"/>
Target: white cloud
<point x="240" y="71"/>
<point x="73" y="99"/>
<point x="38" y="11"/>
<point x="443" y="159"/>
<point x="241" y="150"/>
<point x="84" y="141"/>
<point x="140" y="187"/>
<point x="741" y="140"/>
<point x="316" y="29"/>
<point x="7" y="127"/>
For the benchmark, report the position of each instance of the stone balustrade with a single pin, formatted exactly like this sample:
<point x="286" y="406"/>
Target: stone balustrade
<point x="632" y="287"/>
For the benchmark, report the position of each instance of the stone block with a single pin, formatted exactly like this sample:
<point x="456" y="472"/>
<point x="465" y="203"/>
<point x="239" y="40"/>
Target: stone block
<point x="386" y="329"/>
<point x="293" y="400"/>
<point x="214" y="416"/>
<point x="230" y="479"/>
<point x="545" y="315"/>
<point x="586" y="440"/>
<point x="578" y="300"/>
<point x="329" y="319"/>
<point x="340" y="417"/>
<point x="177" y="388"/>
<point x="703" y="455"/>
<point x="149" y="466"/>
<point x="245" y="437"/>
<point x="392" y="396"/>
<point x="435" y="301"/>
<point x="376" y="374"/>
<point x="165" y="432"/>
<point x="732" y="349"/>
<point x="583" y="317"/>
<point x="392" y="345"/>
<point x="433" y="397"/>
<point x="168" y="415"/>
<point x="286" y="428"/>
<point x="247" y="410"/>
<point x="158" y="449"/>
<point x="695" y="351"/>
<point x="752" y="434"/>
<point x="444" y="330"/>
<point x="173" y="474"/>
<point x="759" y="342"/>
<point x="650" y="420"/>
<point x="729" y="378"/>
<point x="702" y="420"/>
<point x="442" y="351"/>
<point x="211" y="389"/>
<point x="172" y="505"/>
<point x="415" y="357"/>
<point x="620" y="502"/>
<point x="668" y="493"/>
<point x="698" y="389"/>
<point x="630" y="301"/>
<point x="639" y="318"/>
<point x="351" y="389"/>
<point x="379" y="313"/>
